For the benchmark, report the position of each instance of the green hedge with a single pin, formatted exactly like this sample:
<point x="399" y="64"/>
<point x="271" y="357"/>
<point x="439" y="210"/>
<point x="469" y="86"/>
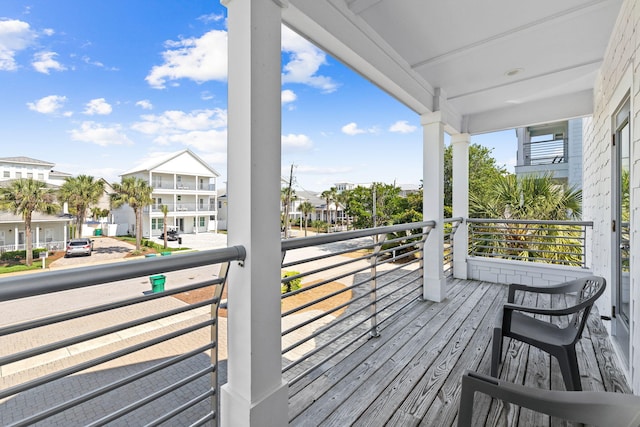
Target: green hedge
<point x="17" y="255"/>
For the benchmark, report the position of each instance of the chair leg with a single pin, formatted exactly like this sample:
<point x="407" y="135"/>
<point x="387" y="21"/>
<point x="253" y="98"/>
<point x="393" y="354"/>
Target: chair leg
<point x="568" y="362"/>
<point x="496" y="351"/>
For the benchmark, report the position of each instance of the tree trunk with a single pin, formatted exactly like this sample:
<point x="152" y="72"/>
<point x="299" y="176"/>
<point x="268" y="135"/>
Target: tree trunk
<point x="138" y="214"/>
<point x="28" y="243"/>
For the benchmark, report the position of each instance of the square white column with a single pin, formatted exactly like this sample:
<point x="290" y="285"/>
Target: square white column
<point x="255" y="394"/>
<point x="433" y="205"/>
<point x="460" y="199"/>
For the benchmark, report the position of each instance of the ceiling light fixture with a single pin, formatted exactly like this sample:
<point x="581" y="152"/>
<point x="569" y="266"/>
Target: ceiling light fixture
<point x="513" y="72"/>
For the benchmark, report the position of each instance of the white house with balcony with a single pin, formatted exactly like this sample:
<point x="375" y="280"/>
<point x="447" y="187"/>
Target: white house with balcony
<point x="47" y="230"/>
<point x="184" y="183"/>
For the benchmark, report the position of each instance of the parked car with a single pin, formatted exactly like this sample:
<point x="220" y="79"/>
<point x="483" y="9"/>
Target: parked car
<point x="172" y="235"/>
<point x="79" y="247"/>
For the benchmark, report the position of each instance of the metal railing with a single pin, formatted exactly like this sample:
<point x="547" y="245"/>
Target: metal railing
<point x="52" y="246"/>
<point x="137" y="355"/>
<point x="352" y="282"/>
<point x="450" y="227"/>
<point x="546" y="152"/>
<point x="552" y="242"/>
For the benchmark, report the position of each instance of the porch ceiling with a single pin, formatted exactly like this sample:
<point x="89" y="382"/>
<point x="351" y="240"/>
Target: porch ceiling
<point x="457" y="56"/>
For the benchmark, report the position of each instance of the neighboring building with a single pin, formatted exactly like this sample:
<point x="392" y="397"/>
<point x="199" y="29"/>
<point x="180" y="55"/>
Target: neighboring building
<point x="554" y="148"/>
<point x="183" y="182"/>
<point x="26" y="167"/>
<point x="47" y="230"/>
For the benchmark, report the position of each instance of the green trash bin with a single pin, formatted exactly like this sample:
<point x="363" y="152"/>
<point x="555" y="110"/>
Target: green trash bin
<point x="157" y="283"/>
<point x="98" y="232"/>
<point x="165" y="253"/>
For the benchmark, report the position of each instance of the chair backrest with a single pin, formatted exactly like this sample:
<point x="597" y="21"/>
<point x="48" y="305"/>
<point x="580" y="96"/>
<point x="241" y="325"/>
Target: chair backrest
<point x="591" y="289"/>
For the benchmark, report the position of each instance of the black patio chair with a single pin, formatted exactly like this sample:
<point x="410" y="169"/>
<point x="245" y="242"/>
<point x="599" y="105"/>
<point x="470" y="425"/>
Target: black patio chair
<point x="517" y="322"/>
<point x="589" y="407"/>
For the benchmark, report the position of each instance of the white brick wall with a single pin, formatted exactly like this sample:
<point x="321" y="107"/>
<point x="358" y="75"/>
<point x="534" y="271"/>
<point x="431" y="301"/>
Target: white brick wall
<point x="524" y="273"/>
<point x="619" y="74"/>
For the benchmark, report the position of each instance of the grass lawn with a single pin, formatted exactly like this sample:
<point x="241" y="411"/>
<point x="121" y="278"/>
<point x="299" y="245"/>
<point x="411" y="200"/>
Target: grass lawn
<point x="15" y="266"/>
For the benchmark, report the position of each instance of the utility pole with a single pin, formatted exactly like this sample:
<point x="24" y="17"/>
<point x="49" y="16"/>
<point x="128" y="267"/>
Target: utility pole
<point x="288" y="204"/>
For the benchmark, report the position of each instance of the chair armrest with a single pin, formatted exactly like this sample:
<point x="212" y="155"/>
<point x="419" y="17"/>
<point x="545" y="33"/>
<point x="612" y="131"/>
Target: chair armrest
<point x="594" y="408"/>
<point x="560" y="288"/>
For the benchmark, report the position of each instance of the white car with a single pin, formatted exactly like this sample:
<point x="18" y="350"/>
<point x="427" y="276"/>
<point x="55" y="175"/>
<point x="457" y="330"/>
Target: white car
<point x="79" y="247"/>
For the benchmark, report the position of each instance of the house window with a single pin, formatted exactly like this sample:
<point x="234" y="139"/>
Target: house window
<point x="201" y="202"/>
<point x="157" y="223"/>
<point x="18" y="175"/>
<point x="157" y="181"/>
<point x="29" y="175"/>
<point x="41" y="176"/>
<point x="6" y="174"/>
<point x="194" y="222"/>
<point x="201" y="221"/>
<point x="2" y="238"/>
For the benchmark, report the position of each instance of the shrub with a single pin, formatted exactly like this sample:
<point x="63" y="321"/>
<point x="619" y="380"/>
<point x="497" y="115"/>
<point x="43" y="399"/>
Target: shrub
<point x="291" y="285"/>
<point x="18" y="255"/>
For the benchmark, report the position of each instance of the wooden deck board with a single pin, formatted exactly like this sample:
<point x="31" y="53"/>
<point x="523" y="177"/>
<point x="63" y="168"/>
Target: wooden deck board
<point x="411" y="374"/>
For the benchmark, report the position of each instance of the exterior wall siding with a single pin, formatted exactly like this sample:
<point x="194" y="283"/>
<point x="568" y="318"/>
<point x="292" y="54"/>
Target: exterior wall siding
<point x="618" y="75"/>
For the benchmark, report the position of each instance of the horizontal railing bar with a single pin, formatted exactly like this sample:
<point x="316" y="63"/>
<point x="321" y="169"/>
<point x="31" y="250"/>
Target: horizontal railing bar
<point x="314" y="367"/>
<point x="112" y="386"/>
<point x="529" y="221"/>
<point x="325" y="268"/>
<point x="325" y="328"/>
<point x="150" y="398"/>
<point x="302" y="242"/>
<point x="26" y="354"/>
<point x="332" y="254"/>
<point x="574" y="233"/>
<point x="204" y="420"/>
<point x="99" y="360"/>
<point x="30" y="285"/>
<point x="177" y="410"/>
<point x="527" y="249"/>
<point x="324" y="282"/>
<point x="46" y="321"/>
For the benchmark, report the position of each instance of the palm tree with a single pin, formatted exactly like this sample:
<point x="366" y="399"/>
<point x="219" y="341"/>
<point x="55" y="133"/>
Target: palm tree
<point x="165" y="211"/>
<point x="329" y="196"/>
<point x="24" y="197"/>
<point x="306" y="208"/>
<point x="136" y="193"/>
<point x="79" y="193"/>
<point x="96" y="212"/>
<point x="287" y="195"/>
<point x="530" y="197"/>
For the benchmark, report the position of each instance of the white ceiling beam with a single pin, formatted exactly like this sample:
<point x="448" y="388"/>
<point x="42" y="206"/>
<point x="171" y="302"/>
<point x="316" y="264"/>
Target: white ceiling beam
<point x="565" y="107"/>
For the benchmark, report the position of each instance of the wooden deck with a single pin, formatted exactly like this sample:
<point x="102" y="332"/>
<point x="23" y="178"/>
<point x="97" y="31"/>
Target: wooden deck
<point x="410" y="375"/>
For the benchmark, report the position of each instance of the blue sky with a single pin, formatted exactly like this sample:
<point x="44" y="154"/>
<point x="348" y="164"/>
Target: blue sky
<point x="98" y="87"/>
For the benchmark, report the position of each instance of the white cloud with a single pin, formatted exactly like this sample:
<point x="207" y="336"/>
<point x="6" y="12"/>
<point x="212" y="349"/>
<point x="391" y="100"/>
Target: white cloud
<point x="43" y="62"/>
<point x="15" y="36"/>
<point x="402" y="126"/>
<point x="48" y="105"/>
<point x="205" y="130"/>
<point x="48" y="32"/>
<point x="323" y="170"/>
<point x="98" y="106"/>
<point x="299" y="142"/>
<point x="199" y="59"/>
<point x="305" y="60"/>
<point x="145" y="104"/>
<point x="212" y="17"/>
<point x="352" y="129"/>
<point x="288" y="96"/>
<point x="99" y="134"/>
<point x="206" y="95"/>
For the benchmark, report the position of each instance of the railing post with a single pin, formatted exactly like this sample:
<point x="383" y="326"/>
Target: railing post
<point x="373" y="297"/>
<point x="460" y="198"/>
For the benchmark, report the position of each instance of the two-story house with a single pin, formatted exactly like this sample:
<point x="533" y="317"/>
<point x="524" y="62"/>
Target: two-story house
<point x="184" y="183"/>
<point x="49" y="231"/>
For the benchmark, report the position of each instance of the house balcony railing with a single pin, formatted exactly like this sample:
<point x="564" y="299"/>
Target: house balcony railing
<point x="552" y="242"/>
<point x="68" y="359"/>
<point x="353" y="284"/>
<point x="546" y="152"/>
<point x="180" y="207"/>
<point x="52" y="246"/>
<point x="450" y="227"/>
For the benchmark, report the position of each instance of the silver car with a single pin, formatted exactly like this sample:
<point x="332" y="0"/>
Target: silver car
<point x="79" y="247"/>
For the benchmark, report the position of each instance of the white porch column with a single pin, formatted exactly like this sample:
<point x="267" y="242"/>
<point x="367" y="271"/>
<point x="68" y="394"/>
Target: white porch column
<point x="460" y="199"/>
<point x="15" y="237"/>
<point x="433" y="204"/>
<point x="37" y="242"/>
<point x="255" y="394"/>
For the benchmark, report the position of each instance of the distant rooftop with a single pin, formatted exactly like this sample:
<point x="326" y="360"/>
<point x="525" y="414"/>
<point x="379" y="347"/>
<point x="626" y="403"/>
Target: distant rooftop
<point x="25" y="160"/>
